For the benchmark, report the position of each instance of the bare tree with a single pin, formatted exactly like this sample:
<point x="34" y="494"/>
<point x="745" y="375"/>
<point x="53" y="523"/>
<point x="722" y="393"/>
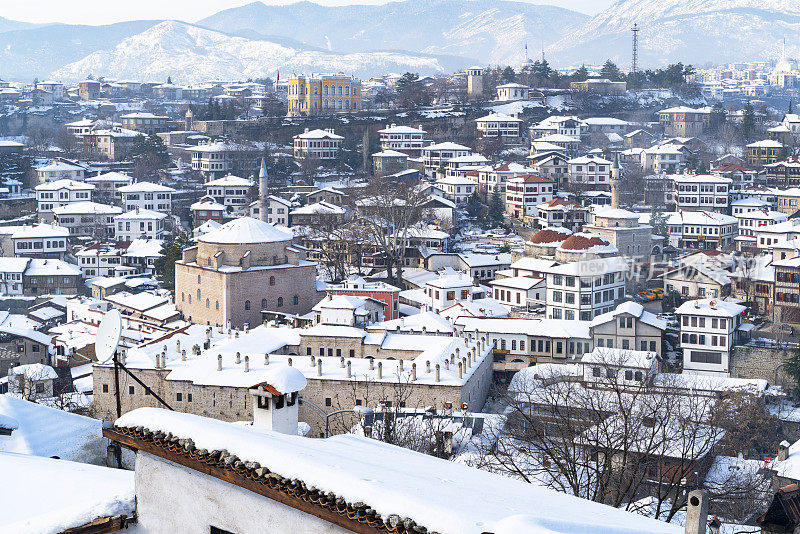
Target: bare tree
<point x="386" y="211"/>
<point x="613" y="438"/>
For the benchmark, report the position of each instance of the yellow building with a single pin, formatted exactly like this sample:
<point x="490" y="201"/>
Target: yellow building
<point x="323" y="94"/>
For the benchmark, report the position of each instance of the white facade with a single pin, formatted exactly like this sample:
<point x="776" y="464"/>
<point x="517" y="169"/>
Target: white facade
<point x="706" y="192"/>
<point x="232" y="192"/>
<point x="512" y="91"/>
<point x="752" y="220"/>
<point x="448" y="290"/>
<point x="501" y="126"/>
<point x="87" y="219"/>
<point x="317" y="145"/>
<point x="138" y="224"/>
<point x="59" y="170"/>
<point x="457" y="190"/>
<point x="147" y="196"/>
<point x="60" y="193"/>
<point x="583" y="290"/>
<point x="708" y="331"/>
<point x="41" y="241"/>
<point x="435" y="156"/>
<point x="590" y="170"/>
<point x="404" y="139"/>
<point x="524" y="193"/>
<point x="701" y="229"/>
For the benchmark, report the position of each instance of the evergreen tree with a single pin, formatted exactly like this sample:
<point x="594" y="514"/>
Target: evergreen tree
<point x="581" y="74"/>
<point x="611" y="72"/>
<point x="151" y="145"/>
<point x="792" y="368"/>
<point x="169" y="80"/>
<point x="508" y="76"/>
<point x="658" y="220"/>
<point x="474" y="206"/>
<point x="171" y="251"/>
<point x="718" y="116"/>
<point x="748" y="121"/>
<point x="496" y="207"/>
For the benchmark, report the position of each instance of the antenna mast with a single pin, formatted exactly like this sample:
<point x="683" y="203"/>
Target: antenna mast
<point x="635" y="54"/>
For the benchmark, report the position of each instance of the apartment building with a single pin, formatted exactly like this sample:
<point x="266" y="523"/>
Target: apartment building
<point x="500" y="126"/>
<point x="708" y="333"/>
<point x="60" y="193"/>
<point x="584" y="289"/>
<point x="232" y="192"/>
<point x="590" y="171"/>
<point x="702" y="230"/>
<point x="701" y="192"/>
<point x="405" y="139"/>
<point x="786" y="307"/>
<point x="764" y="152"/>
<point x="317" y="146"/>
<point x="683" y="121"/>
<point x="87" y="219"/>
<point x="524" y="193"/>
<point x="146" y="123"/>
<point x="147" y="196"/>
<point x="140" y="224"/>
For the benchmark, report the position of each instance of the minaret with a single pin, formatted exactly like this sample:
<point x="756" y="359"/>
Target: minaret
<point x="263" y="191"/>
<point x="615" y="183"/>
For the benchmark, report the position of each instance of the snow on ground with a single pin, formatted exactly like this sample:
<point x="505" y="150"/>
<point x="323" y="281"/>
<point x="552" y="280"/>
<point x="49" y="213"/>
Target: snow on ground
<point x="442" y="495"/>
<point x="48" y="496"/>
<point x="49" y="432"/>
<point x="515" y="108"/>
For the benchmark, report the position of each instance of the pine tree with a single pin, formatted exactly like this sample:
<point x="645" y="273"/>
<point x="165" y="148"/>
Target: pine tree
<point x="496" y="207"/>
<point x="581" y="74"/>
<point x="508" y="76"/>
<point x="748" y="121"/>
<point x="611" y="72"/>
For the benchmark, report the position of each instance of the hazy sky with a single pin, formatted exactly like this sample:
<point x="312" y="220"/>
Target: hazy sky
<point x="107" y="11"/>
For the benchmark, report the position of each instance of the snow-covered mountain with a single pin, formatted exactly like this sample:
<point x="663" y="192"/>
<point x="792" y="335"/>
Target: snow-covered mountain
<point x="493" y="31"/>
<point x="692" y="31"/>
<point x="191" y="54"/>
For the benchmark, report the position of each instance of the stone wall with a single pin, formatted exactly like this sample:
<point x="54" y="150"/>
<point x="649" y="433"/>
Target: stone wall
<point x="761" y="363"/>
<point x="236" y="404"/>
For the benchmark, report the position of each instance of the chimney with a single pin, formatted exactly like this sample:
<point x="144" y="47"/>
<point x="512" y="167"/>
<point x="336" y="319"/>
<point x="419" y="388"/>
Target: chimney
<point x="247" y="364"/>
<point x="319" y="367"/>
<point x="427" y="366"/>
<point x="460" y="370"/>
<point x="783" y="451"/>
<point x="446" y="364"/>
<point x="219" y="362"/>
<point x="371" y="364"/>
<point x="266" y="358"/>
<point x="413" y="372"/>
<point x="349" y="372"/>
<point x="246" y="327"/>
<point x="696" y="512"/>
<point x="177" y="345"/>
<point x="437" y="372"/>
<point x="238" y="357"/>
<point x="289" y="362"/>
<point x="313" y="361"/>
<point x="380" y="370"/>
<point x="400" y="362"/>
<point x="183" y="355"/>
<point x="341" y="362"/>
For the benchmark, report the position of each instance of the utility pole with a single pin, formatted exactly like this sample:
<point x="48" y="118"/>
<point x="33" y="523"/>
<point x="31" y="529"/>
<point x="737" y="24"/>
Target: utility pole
<point x="635" y="54"/>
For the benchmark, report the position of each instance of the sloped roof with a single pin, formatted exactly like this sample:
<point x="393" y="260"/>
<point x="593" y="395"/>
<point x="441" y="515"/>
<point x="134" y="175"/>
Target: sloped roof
<point x="246" y="230"/>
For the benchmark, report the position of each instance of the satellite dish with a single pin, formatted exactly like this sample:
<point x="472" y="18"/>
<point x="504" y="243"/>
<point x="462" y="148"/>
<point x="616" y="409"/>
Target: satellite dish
<point x="107" y="339"/>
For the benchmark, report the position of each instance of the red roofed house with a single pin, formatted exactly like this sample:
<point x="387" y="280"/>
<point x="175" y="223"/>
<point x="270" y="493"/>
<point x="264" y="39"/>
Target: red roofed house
<point x="560" y="212"/>
<point x="524" y="193"/>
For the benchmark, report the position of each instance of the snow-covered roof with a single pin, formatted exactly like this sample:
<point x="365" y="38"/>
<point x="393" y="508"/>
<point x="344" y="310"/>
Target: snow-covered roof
<point x="143" y="115"/>
<point x="230" y="181"/>
<point x="318" y="134"/>
<point x="86" y="206"/>
<point x="140" y="214"/>
<point x="110" y="177"/>
<point x="40" y="230"/>
<point x="389" y="154"/>
<point x="411" y="484"/>
<point x="710" y="307"/>
<point x="532" y="327"/>
<point x="145" y="248"/>
<point x="631" y="308"/>
<point x="34" y="371"/>
<point x="621" y="357"/>
<point x="518" y="282"/>
<point x="498" y="117"/>
<point x="766" y="143"/>
<point x="455" y="180"/>
<point x="145" y="187"/>
<point x="51" y="267"/>
<point x="58" y="166"/>
<point x="701" y="179"/>
<point x="246" y="230"/>
<point x="700" y="217"/>
<point x="557" y="138"/>
<point x="445" y="146"/>
<point x="84" y="493"/>
<point x="64" y="184"/>
<point x="208" y="205"/>
<point x="45" y="431"/>
<point x="585" y="160"/>
<point x="319" y="208"/>
<point x="402" y="130"/>
<point x="616" y="213"/>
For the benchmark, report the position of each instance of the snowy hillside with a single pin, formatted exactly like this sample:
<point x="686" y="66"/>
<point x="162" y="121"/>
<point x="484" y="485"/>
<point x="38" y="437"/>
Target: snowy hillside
<point x="190" y="54"/>
<point x="692" y="31"/>
<point x="492" y="31"/>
